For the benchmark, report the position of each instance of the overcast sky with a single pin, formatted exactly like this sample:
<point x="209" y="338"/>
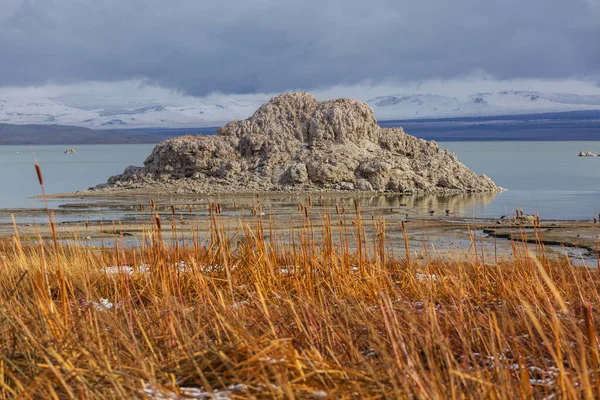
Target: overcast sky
<point x="264" y="46"/>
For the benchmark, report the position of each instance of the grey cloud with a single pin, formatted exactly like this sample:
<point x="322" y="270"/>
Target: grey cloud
<point x="242" y="46"/>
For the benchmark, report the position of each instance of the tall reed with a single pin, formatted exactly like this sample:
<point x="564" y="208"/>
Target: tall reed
<point x="257" y="312"/>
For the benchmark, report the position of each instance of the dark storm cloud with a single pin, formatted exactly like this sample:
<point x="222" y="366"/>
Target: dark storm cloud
<point x="272" y="45"/>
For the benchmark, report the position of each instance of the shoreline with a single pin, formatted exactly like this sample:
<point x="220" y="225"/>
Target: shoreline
<point x="291" y="191"/>
<point x="115" y="216"/>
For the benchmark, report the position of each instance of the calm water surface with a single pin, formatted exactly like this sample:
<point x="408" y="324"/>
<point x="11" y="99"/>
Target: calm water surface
<point x="89" y="166"/>
<point x="546" y="177"/>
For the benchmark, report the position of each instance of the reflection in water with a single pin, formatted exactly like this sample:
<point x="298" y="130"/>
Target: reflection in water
<point x="544" y="177"/>
<point x="281" y="204"/>
<point x="286" y="219"/>
<point x="459" y="204"/>
<point x="120" y="208"/>
<point x="563" y="205"/>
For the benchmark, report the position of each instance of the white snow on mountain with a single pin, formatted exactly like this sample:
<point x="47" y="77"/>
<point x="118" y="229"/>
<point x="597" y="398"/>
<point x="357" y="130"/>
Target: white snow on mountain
<point x="125" y="113"/>
<point x="27" y="110"/>
<point x="137" y="112"/>
<point x="479" y="104"/>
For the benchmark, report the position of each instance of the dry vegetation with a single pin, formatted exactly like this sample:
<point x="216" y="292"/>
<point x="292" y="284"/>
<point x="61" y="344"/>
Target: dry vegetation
<point x="326" y="313"/>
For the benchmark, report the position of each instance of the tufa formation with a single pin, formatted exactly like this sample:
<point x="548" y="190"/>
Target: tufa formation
<point x="296" y="143"/>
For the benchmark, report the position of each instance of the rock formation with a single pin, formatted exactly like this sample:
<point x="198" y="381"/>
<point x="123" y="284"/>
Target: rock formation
<point x="296" y="143"/>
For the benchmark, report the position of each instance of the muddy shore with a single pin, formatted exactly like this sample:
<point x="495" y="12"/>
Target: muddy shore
<point x="435" y="225"/>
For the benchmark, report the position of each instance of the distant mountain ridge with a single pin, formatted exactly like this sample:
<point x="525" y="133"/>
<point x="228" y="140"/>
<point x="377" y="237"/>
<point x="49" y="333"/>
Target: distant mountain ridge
<point x="480" y="104"/>
<point x="566" y="125"/>
<point x="73" y="135"/>
<point x="216" y="110"/>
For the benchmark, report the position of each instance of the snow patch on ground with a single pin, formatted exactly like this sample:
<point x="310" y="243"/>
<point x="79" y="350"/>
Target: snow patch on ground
<point x="426" y="277"/>
<point x="165" y="393"/>
<point x="181" y="266"/>
<point x="102" y="304"/>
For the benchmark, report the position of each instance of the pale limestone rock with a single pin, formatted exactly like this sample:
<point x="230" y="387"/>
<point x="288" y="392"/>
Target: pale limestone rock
<point x="364" y="185"/>
<point x="294" y="142"/>
<point x="298" y="173"/>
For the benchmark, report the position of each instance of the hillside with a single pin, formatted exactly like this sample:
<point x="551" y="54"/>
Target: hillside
<point x="479" y="104"/>
<point x="574" y="125"/>
<point x="216" y="110"/>
<point x="64" y="134"/>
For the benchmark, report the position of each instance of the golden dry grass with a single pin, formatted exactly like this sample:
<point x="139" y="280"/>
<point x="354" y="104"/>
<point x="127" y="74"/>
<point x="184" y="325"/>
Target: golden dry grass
<point x="330" y="314"/>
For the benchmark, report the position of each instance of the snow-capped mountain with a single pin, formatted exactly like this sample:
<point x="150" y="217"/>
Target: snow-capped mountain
<point x="479" y="104"/>
<point x="16" y="110"/>
<point x="111" y="112"/>
<point x="119" y="113"/>
<point x="422" y="106"/>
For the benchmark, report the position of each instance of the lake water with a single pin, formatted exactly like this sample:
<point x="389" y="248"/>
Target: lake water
<point x="89" y="166"/>
<point x="544" y="177"/>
